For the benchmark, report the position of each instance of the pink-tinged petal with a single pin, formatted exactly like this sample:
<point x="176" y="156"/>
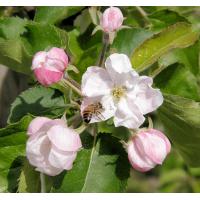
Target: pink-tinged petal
<point x="63" y="160"/>
<point x="59" y="55"/>
<point x="65" y="139"/>
<point x="47" y="77"/>
<point x="107" y="111"/>
<point x="152" y="146"/>
<point x="138" y="160"/>
<point x="39" y="59"/>
<point x="52" y="123"/>
<point x="128" y="114"/>
<point x="49" y="170"/>
<point x="96" y="82"/>
<point x="36" y="124"/>
<point x="162" y="136"/>
<point x="111" y="19"/>
<point x="145" y="97"/>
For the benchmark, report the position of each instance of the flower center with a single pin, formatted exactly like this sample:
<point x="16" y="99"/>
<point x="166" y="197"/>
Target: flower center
<point x="118" y="92"/>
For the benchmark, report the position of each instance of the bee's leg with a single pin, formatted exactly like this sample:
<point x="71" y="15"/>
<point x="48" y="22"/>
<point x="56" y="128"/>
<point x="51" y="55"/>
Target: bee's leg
<point x="99" y="115"/>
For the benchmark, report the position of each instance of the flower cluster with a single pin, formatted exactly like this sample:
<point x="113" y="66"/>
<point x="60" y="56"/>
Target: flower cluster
<point x="116" y="91"/>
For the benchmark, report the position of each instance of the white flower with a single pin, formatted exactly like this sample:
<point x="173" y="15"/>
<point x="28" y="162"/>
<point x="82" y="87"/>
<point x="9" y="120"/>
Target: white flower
<point x="124" y="94"/>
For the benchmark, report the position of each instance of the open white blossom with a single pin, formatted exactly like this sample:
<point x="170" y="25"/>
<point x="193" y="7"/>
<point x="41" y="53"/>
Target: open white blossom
<point x="124" y="94"/>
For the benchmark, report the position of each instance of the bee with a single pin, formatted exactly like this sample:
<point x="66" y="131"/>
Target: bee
<point x="92" y="110"/>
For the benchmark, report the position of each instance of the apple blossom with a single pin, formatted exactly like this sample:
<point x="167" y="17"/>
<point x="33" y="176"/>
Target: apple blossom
<point x="111" y="19"/>
<point x="49" y="66"/>
<point x="124" y="94"/>
<point x="52" y="146"/>
<point x="147" y="149"/>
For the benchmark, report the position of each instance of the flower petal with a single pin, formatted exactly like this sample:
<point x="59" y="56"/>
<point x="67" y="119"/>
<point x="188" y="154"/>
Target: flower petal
<point x="119" y="63"/>
<point x="120" y="70"/>
<point x="128" y="114"/>
<point x="95" y="82"/>
<point x="63" y="160"/>
<point x="49" y="170"/>
<point x="33" y="149"/>
<point x="39" y="59"/>
<point x="47" y="77"/>
<point x="58" y="58"/>
<point x="145" y="97"/>
<point x="138" y="160"/>
<point x="65" y="139"/>
<point x="107" y="105"/>
<point x="154" y="146"/>
<point x="36" y="124"/>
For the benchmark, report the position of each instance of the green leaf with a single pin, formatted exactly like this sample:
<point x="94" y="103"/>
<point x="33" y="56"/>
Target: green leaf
<point x="43" y="36"/>
<point x="180" y="117"/>
<point x="12" y="151"/>
<point x="163" y="18"/>
<point x="29" y="180"/>
<point x="13" y="27"/>
<point x="179" y="35"/>
<point x="38" y="101"/>
<point x="18" y="47"/>
<point x="54" y="15"/>
<point x="128" y="39"/>
<point x="103" y="168"/>
<point x="188" y="56"/>
<point x="180" y="72"/>
<point x="179" y="80"/>
<point x="122" y="133"/>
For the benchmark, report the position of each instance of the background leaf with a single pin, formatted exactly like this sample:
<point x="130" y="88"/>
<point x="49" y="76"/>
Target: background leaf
<point x="180" y="117"/>
<point x="17" y="48"/>
<point x="12" y="151"/>
<point x="55" y="14"/>
<point x="179" y="35"/>
<point x="38" y="101"/>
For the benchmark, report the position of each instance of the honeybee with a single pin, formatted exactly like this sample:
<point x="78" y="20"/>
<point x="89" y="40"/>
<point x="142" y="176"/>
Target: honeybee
<point x="92" y="110"/>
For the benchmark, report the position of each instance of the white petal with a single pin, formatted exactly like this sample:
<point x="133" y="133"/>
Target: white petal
<point x="95" y="82"/>
<point x="119" y="63"/>
<point x="107" y="104"/>
<point x="128" y="114"/>
<point x="65" y="139"/>
<point x="34" y="149"/>
<point x="120" y="70"/>
<point x="62" y="160"/>
<point x="146" y="98"/>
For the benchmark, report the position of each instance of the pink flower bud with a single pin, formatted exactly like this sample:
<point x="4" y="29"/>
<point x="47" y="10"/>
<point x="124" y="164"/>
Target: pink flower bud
<point x="147" y="149"/>
<point x="52" y="146"/>
<point x="49" y="66"/>
<point x="111" y="19"/>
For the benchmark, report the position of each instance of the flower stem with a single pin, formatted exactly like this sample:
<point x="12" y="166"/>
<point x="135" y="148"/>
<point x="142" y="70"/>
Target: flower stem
<point x="143" y="14"/>
<point x="43" y="184"/>
<point x="104" y="49"/>
<point x="94" y="133"/>
<point x="72" y="84"/>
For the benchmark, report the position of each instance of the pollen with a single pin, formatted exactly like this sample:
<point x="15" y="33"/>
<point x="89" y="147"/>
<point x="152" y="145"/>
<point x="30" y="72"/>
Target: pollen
<point x="118" y="92"/>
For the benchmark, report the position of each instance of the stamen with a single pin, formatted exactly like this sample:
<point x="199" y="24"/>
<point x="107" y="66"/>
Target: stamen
<point x="118" y="92"/>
